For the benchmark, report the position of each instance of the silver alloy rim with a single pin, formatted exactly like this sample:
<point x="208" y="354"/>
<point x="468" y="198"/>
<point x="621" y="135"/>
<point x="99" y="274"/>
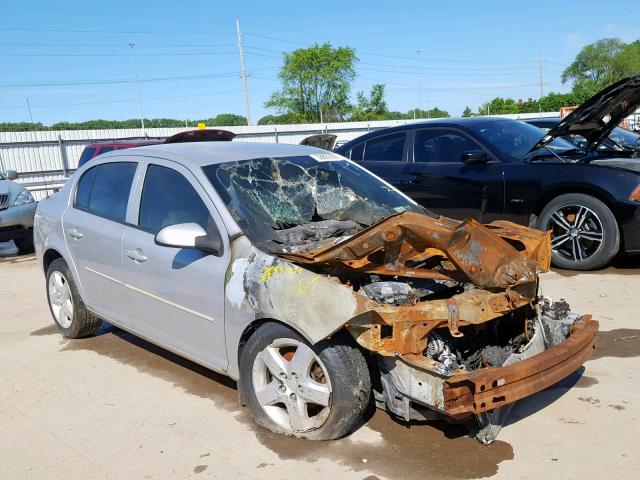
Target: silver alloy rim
<point x="577" y="232"/>
<point x="292" y="385"/>
<point x="60" y="299"/>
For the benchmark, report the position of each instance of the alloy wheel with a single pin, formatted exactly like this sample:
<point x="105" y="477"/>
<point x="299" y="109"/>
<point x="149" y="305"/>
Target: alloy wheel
<point x="577" y="232"/>
<point x="61" y="299"/>
<point x="292" y="385"/>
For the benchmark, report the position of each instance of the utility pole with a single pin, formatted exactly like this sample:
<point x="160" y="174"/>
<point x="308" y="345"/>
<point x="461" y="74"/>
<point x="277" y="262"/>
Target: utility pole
<point x="541" y="88"/>
<point x="135" y="76"/>
<point x="30" y="115"/>
<point x="243" y="74"/>
<point x="418" y="52"/>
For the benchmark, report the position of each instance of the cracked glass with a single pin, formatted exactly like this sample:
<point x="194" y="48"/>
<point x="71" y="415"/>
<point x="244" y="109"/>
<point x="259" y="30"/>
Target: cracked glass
<point x="275" y="200"/>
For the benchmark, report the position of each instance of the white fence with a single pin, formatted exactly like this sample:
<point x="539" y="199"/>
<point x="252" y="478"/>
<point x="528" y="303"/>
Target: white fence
<point x="45" y="159"/>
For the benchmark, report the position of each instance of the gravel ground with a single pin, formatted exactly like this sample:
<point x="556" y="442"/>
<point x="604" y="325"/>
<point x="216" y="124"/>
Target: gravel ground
<point x="113" y="406"/>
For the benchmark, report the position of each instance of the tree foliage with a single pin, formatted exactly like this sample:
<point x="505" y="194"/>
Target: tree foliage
<point x="594" y="67"/>
<point x="314" y="80"/>
<point x="373" y="107"/>
<point x="224" y="119"/>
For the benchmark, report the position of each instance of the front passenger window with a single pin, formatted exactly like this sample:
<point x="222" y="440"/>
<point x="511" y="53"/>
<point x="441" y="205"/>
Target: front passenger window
<point x="441" y="146"/>
<point x="168" y="198"/>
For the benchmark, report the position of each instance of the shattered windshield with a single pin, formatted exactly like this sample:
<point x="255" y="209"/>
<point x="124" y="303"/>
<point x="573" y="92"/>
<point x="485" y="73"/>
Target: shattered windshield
<point x="280" y="202"/>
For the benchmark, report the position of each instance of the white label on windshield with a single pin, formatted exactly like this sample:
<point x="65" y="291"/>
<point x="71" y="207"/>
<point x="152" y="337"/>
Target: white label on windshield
<point x="327" y="157"/>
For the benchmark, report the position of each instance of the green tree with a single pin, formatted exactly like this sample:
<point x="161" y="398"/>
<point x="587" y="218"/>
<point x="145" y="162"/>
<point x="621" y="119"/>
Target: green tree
<point x="498" y="106"/>
<point x="373" y="107"/>
<point x="224" y="119"/>
<point x="595" y="67"/>
<point x="315" y="82"/>
<point x="434" y="112"/>
<point x="467" y="112"/>
<point x="283" y="119"/>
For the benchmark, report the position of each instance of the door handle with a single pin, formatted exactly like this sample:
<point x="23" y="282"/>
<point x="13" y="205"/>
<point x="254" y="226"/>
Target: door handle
<point x="75" y="233"/>
<point x="415" y="180"/>
<point x="136" y="255"/>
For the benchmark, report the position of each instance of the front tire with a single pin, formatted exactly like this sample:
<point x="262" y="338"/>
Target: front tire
<point x="317" y="392"/>
<point x="585" y="234"/>
<point x="65" y="303"/>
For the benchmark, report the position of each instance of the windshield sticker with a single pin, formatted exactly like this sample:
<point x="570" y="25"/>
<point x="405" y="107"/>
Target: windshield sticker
<point x="327" y="157"/>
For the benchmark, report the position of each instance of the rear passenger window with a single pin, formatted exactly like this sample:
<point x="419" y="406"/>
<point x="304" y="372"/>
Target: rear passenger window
<point x="388" y="148"/>
<point x="104" y="190"/>
<point x="168" y="198"/>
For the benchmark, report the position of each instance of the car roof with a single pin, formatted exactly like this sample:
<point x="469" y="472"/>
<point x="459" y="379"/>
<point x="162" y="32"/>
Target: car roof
<point x="206" y="153"/>
<point x="133" y="141"/>
<point x="460" y="122"/>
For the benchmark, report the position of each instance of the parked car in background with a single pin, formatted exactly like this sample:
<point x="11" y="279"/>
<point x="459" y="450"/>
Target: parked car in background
<point x="310" y="281"/>
<point x="17" y="209"/>
<point x="619" y="138"/>
<point x="496" y="168"/>
<point x="204" y="135"/>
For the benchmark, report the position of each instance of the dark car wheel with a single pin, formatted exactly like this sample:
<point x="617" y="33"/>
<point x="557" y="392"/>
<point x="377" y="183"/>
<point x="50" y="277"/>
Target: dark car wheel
<point x="585" y="234"/>
<point x="67" y="308"/>
<point x="318" y="392"/>
<point x="25" y="244"/>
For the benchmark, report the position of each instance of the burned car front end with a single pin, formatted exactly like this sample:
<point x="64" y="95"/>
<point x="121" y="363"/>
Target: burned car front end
<point x="448" y="311"/>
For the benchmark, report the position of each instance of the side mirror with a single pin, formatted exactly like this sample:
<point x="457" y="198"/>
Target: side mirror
<point x="12" y="175"/>
<point x="475" y="157"/>
<point x="190" y="235"/>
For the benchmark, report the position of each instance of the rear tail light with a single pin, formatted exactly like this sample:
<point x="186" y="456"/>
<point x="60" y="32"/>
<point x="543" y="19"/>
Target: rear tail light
<point x="635" y="195"/>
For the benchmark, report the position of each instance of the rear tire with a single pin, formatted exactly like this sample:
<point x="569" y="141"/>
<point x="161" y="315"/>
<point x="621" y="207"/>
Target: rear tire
<point x="335" y="377"/>
<point x="585" y="232"/>
<point x="65" y="303"/>
<point x="25" y="244"/>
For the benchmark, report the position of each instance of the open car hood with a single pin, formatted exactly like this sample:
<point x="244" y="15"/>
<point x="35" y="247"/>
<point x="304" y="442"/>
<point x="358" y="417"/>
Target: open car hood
<point x="598" y="116"/>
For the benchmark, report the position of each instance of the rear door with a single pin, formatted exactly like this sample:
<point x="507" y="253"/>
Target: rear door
<point x="385" y="155"/>
<point x="93" y="228"/>
<point x="175" y="296"/>
<point x="440" y="181"/>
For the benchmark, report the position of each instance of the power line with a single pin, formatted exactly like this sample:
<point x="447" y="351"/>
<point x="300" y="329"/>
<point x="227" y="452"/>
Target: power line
<point x="101" y="55"/>
<point x="132" y="100"/>
<point x="54" y="83"/>
<point x="109" y="32"/>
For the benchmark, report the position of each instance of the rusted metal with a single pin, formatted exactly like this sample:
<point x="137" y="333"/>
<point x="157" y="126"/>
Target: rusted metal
<point x="411" y="324"/>
<point x="489" y="388"/>
<point x="483" y="255"/>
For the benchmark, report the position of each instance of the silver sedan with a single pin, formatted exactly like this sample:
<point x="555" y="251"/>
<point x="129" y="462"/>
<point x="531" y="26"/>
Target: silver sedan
<point x="317" y="286"/>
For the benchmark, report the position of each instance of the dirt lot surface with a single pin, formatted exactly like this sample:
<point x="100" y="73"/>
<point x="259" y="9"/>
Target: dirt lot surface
<point x="113" y="406"/>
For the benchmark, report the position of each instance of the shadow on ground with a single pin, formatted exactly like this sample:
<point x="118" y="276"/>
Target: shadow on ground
<point x="620" y="265"/>
<point x="390" y="449"/>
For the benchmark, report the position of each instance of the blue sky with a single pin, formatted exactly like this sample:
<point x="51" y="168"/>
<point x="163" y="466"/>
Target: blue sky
<point x="72" y="60"/>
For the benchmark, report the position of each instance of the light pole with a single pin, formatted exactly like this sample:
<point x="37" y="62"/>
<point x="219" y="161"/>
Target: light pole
<point x="135" y="76"/>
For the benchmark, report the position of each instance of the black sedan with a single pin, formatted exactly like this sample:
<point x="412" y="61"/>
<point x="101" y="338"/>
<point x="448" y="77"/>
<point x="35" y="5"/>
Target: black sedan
<point x="492" y="168"/>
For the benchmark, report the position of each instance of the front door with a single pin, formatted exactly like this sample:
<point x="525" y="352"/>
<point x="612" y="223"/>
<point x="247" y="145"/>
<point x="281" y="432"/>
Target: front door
<point x="441" y="182"/>
<point x="176" y="296"/>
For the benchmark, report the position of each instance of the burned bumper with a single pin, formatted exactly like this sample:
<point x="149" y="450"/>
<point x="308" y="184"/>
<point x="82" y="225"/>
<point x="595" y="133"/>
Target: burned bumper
<point x="414" y="389"/>
<point x="486" y="389"/>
